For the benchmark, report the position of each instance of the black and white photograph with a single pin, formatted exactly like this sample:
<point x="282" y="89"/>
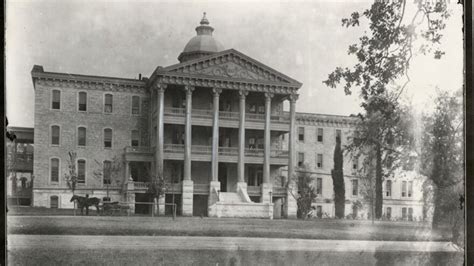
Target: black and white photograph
<point x="244" y="132"/>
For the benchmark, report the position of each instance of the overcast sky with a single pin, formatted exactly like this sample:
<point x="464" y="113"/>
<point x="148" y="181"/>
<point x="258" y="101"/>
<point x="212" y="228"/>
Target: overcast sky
<point x="304" y="40"/>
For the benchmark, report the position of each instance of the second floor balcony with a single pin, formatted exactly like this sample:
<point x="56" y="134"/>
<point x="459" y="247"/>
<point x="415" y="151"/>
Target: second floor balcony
<point x="204" y="153"/>
<point x="203" y="117"/>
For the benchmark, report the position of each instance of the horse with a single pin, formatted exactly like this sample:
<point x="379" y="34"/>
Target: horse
<point x="85" y="202"/>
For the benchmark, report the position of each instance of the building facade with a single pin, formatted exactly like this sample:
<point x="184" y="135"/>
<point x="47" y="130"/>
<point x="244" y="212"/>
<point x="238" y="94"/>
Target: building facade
<point x="315" y="143"/>
<point x="212" y="126"/>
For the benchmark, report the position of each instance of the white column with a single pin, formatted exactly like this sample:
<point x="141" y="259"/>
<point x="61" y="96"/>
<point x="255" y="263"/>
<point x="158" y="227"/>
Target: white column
<point x="241" y="158"/>
<point x="159" y="125"/>
<point x="188" y="185"/>
<point x="215" y="135"/>
<point x="290" y="203"/>
<point x="266" y="185"/>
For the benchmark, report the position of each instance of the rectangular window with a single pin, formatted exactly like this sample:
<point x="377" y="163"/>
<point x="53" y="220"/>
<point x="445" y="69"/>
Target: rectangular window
<point x="55" y="135"/>
<point x="388" y="188"/>
<point x="107" y="138"/>
<point x="301" y="134"/>
<point x="319" y="160"/>
<point x="81" y="171"/>
<point x="355" y="164"/>
<point x="319" y="186"/>
<point x="135" y="138"/>
<point x="135" y="105"/>
<point x="259" y="143"/>
<point x="82" y="101"/>
<point x="107" y="166"/>
<point x="108" y="103"/>
<point x="54" y="170"/>
<point x="261" y="109"/>
<point x="320" y="135"/>
<point x="56" y="101"/>
<point x="410" y="214"/>
<point x="81" y="136"/>
<point x="338" y="135"/>
<point x="355" y="187"/>
<point x="389" y="213"/>
<point x="404" y="188"/>
<point x="410" y="189"/>
<point x="300" y="158"/>
<point x="404" y="213"/>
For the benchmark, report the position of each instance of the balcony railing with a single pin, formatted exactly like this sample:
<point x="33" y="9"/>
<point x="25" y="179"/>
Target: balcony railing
<point x="208" y="113"/>
<point x="201" y="149"/>
<point x="229" y="115"/>
<point x="173" y="148"/>
<point x="202" y="113"/>
<point x="23" y="157"/>
<point x="228" y="151"/>
<point x="254" y="152"/>
<point x="174" y="111"/>
<point x="279" y="153"/>
<point x="255" y="117"/>
<point x="138" y="149"/>
<point x="254" y="190"/>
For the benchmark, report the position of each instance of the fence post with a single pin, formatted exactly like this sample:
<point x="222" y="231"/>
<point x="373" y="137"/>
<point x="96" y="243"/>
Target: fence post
<point x="174" y="211"/>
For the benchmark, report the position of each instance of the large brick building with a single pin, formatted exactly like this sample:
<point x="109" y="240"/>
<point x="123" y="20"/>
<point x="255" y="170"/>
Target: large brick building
<point x="212" y="126"/>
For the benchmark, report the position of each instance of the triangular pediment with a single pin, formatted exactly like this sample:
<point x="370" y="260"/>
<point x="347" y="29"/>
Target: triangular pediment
<point x="233" y="65"/>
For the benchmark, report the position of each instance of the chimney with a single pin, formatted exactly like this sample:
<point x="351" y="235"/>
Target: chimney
<point x="139" y="76"/>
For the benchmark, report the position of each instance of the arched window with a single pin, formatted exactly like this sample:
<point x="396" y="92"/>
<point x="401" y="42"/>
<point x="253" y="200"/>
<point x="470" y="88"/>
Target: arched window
<point x="54" y="202"/>
<point x="108" y="103"/>
<point x="81" y="171"/>
<point x="107" y="138"/>
<point x="55" y="135"/>
<point x="54" y="170"/>
<point x="135" y="105"/>
<point x="81" y="136"/>
<point x="82" y="101"/>
<point x="56" y="100"/>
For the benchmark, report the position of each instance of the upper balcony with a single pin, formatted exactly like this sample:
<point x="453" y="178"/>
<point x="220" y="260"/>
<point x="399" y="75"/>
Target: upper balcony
<point x="203" y="117"/>
<point x="20" y="162"/>
<point x="204" y="153"/>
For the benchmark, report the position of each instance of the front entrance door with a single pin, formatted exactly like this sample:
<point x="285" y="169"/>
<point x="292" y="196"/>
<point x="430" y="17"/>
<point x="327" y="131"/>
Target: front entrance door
<point x="223" y="177"/>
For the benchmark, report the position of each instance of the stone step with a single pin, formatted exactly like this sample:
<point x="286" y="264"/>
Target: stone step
<point x="231" y="197"/>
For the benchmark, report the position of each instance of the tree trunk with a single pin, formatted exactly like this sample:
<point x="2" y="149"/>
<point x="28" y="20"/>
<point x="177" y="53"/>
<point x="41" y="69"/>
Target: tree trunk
<point x="437" y="212"/>
<point x="378" y="183"/>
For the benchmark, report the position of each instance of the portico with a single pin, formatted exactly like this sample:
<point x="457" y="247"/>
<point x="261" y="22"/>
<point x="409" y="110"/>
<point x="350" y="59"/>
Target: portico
<point x="223" y="111"/>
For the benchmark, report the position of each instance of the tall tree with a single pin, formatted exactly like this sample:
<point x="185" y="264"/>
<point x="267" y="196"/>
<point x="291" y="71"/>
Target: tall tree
<point x="338" y="180"/>
<point x="442" y="160"/>
<point x="384" y="54"/>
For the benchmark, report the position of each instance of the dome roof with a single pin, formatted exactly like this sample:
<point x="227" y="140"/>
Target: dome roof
<point x="201" y="45"/>
<point x="205" y="43"/>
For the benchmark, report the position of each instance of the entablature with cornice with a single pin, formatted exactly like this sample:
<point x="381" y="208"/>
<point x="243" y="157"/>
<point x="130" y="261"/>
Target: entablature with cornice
<point x="87" y="82"/>
<point x="326" y="120"/>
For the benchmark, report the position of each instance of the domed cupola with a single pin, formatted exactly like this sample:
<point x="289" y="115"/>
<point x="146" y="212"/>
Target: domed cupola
<point x="201" y="45"/>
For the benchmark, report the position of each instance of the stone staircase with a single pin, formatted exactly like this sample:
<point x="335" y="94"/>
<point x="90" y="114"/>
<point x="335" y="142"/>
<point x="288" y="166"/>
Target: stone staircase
<point x="238" y="204"/>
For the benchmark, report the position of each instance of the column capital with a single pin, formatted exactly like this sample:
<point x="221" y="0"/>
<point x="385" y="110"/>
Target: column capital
<point x="293" y="97"/>
<point x="161" y="87"/>
<point x="269" y="95"/>
<point x="243" y="93"/>
<point x="216" y="91"/>
<point x="188" y="89"/>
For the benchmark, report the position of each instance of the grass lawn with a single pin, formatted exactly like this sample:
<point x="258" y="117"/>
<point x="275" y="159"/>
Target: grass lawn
<point x="41" y="256"/>
<point x="195" y="226"/>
